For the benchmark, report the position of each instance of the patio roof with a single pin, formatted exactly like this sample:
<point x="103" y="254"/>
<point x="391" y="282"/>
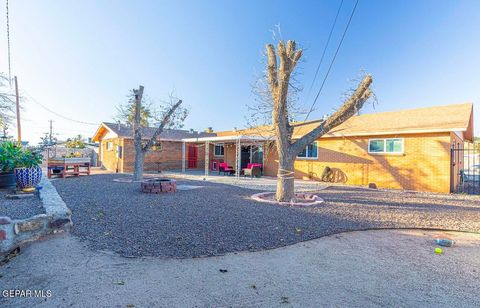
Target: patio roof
<point x="226" y="138"/>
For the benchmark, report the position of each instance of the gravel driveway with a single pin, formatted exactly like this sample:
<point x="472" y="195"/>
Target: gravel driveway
<point x="219" y="218"/>
<point x="19" y="208"/>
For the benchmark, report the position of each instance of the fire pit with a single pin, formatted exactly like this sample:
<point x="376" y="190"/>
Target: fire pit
<point x="158" y="186"/>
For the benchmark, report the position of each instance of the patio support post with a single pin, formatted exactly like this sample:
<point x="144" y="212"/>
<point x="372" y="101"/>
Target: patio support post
<point x="183" y="157"/>
<point x="237" y="158"/>
<point x="207" y="157"/>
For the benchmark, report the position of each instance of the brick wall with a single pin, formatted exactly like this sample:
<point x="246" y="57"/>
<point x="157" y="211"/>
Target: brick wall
<point x="424" y="166"/>
<point x="170" y="156"/>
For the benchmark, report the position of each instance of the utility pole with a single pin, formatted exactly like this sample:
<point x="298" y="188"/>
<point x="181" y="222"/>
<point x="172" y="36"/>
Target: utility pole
<point x="51" y="130"/>
<point x="19" y="127"/>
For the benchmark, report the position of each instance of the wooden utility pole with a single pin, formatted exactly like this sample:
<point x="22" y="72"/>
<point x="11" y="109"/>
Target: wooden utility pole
<point x="17" y="99"/>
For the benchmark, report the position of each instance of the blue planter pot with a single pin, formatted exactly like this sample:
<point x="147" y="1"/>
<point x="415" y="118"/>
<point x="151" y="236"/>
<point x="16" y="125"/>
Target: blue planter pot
<point x="28" y="177"/>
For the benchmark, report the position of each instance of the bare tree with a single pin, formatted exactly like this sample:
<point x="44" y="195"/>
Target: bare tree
<point x="7" y="101"/>
<point x="278" y="78"/>
<point x="170" y="115"/>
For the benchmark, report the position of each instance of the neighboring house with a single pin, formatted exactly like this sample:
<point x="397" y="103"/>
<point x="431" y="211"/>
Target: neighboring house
<point x="407" y="149"/>
<point x="117" y="151"/>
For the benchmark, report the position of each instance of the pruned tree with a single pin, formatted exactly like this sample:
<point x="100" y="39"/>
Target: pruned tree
<point x="7" y="101"/>
<point x="171" y="114"/>
<point x="280" y="66"/>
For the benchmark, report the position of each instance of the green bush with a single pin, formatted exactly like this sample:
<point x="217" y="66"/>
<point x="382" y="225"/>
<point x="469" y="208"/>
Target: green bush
<point x="13" y="156"/>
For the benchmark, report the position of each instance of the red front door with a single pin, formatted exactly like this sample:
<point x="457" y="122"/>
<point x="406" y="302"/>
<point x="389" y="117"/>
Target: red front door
<point x="192" y="155"/>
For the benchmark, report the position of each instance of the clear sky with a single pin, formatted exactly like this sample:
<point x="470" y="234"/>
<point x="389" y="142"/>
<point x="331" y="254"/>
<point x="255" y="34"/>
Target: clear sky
<point x="80" y="58"/>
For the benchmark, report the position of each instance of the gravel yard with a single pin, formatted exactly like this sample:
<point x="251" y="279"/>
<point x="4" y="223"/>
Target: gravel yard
<point x="218" y="218"/>
<point x="19" y="208"/>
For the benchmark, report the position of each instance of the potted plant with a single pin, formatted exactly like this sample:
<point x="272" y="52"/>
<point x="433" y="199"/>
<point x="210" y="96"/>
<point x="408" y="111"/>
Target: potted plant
<point x="9" y="153"/>
<point x="28" y="172"/>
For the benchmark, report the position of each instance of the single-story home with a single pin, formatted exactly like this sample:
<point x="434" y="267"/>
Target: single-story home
<point x="117" y="150"/>
<point x="406" y="149"/>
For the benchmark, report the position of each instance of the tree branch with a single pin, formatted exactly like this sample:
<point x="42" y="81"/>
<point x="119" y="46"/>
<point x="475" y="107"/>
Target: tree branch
<point x="165" y="121"/>
<point x="349" y="108"/>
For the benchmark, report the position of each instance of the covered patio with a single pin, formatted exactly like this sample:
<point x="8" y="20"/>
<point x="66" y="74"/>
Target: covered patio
<point x="237" y="152"/>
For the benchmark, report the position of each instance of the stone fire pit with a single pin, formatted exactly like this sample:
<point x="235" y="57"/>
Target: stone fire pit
<point x="158" y="186"/>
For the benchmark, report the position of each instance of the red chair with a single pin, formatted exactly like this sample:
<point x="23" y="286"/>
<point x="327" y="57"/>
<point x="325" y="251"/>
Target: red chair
<point x="253" y="170"/>
<point x="225" y="168"/>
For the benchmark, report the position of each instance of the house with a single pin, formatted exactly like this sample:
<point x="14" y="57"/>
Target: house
<point x="117" y="151"/>
<point x="406" y="149"/>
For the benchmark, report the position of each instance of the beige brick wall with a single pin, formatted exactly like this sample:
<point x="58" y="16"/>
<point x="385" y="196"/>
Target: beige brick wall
<point x="424" y="166"/>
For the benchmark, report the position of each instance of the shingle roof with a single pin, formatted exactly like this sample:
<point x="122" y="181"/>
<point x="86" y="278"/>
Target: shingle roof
<point x="124" y="131"/>
<point x="449" y="118"/>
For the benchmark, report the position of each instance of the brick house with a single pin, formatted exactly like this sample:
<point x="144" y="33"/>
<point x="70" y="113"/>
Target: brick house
<point x="407" y="149"/>
<point x="117" y="151"/>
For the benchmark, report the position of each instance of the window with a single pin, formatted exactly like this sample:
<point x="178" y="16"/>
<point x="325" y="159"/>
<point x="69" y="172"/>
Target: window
<point x="310" y="151"/>
<point x="389" y="145"/>
<point x="109" y="146"/>
<point x="219" y="150"/>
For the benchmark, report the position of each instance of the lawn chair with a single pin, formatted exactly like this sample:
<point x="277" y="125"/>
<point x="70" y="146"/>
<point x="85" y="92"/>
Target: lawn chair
<point x="225" y="169"/>
<point x="253" y="170"/>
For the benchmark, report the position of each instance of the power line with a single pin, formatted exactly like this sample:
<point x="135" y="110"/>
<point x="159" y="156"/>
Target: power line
<point x="324" y="50"/>
<point x="58" y="114"/>
<point x="333" y="60"/>
<point x="8" y="47"/>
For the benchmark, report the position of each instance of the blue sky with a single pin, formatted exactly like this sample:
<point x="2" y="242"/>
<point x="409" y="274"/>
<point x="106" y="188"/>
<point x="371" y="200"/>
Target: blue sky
<point x="80" y="58"/>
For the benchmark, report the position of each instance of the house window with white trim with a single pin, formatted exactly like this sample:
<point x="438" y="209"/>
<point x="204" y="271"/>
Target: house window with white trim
<point x="310" y="151"/>
<point x="219" y="149"/>
<point x="385" y="146"/>
<point x="109" y="146"/>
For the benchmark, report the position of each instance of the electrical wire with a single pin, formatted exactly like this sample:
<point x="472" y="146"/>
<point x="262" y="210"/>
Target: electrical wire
<point x="333" y="60"/>
<point x="58" y="114"/>
<point x="8" y="47"/>
<point x="324" y="51"/>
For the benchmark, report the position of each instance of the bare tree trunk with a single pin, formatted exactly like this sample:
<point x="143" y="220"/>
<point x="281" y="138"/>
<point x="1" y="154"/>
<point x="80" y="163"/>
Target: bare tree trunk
<point x="137" y="136"/>
<point x="285" y="178"/>
<point x="138" y="166"/>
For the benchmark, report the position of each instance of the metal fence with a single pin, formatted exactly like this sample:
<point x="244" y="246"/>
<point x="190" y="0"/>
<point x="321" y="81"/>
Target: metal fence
<point x="465" y="159"/>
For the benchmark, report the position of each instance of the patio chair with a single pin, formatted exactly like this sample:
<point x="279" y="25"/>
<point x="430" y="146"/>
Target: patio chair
<point x="253" y="170"/>
<point x="225" y="168"/>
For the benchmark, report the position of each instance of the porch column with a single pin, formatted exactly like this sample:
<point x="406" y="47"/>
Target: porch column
<point x="238" y="158"/>
<point x="207" y="157"/>
<point x="183" y="157"/>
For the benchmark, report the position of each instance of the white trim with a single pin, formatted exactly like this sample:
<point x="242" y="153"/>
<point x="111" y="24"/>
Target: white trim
<point x="385" y="146"/>
<point x="106" y="145"/>
<point x="226" y="138"/>
<point x="418" y="131"/>
<point x="309" y="157"/>
<point x="214" y="150"/>
<point x="107" y="128"/>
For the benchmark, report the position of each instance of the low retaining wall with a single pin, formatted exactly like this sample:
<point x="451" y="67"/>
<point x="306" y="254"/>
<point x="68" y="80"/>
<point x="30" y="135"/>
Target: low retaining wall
<point x="57" y="217"/>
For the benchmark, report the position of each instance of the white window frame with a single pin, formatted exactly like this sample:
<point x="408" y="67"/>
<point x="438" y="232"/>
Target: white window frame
<point x="109" y="146"/>
<point x="384" y="152"/>
<point x="306" y="152"/>
<point x="215" y="147"/>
